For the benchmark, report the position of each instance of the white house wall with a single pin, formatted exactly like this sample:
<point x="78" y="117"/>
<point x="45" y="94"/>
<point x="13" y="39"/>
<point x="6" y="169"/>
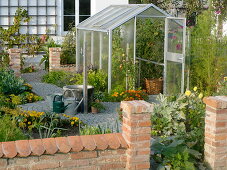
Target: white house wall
<point x="54" y="20"/>
<point x="98" y="5"/>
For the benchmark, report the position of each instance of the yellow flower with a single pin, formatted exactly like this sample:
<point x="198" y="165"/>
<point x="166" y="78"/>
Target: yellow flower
<point x="200" y="96"/>
<point x="25" y="120"/>
<point x="29" y="123"/>
<point x="72" y="123"/>
<point x="195" y="88"/>
<point x="188" y="93"/>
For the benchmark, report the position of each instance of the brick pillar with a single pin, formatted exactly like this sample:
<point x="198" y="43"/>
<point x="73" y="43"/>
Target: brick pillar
<point x="216" y="132"/>
<point x="54" y="58"/>
<point x="15" y="60"/>
<point x="136" y="130"/>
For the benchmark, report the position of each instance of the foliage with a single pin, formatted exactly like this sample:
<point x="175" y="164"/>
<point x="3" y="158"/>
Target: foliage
<point x="173" y="153"/>
<point x="10" y="37"/>
<point x="46" y="124"/>
<point x="98" y="79"/>
<point x="94" y="130"/>
<point x="208" y="54"/>
<point x="9" y="131"/>
<point x="123" y="67"/>
<point x="58" y="78"/>
<point x="98" y="105"/>
<point x="150" y="46"/>
<point x="68" y="52"/>
<point x="129" y="95"/>
<point x="45" y="47"/>
<point x="222" y="89"/>
<point x="29" y="69"/>
<point x="9" y="84"/>
<point x="179" y="120"/>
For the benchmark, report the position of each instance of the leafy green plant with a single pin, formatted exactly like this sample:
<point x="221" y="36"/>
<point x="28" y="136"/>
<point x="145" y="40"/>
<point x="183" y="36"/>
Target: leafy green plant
<point x="208" y="54"/>
<point x="98" y="105"/>
<point x="9" y="84"/>
<point x="173" y="153"/>
<point x="93" y="130"/>
<point x="48" y="129"/>
<point x="68" y="52"/>
<point x="98" y="79"/>
<point x="9" y="130"/>
<point x="58" y="78"/>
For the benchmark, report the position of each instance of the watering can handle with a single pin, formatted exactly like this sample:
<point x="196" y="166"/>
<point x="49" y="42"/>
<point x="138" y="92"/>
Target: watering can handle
<point x="70" y="91"/>
<point x="56" y="96"/>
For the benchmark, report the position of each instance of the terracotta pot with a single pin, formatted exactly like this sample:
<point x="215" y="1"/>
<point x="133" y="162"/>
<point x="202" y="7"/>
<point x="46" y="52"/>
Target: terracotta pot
<point x="94" y="110"/>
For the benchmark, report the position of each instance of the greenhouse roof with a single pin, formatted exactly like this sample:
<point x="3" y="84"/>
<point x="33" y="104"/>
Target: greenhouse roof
<point x="115" y="15"/>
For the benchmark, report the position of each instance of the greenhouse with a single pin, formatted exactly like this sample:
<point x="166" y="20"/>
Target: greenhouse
<point x="133" y="43"/>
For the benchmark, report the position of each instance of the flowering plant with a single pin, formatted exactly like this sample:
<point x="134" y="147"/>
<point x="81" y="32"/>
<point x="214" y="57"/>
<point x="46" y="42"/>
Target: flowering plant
<point x="130" y="95"/>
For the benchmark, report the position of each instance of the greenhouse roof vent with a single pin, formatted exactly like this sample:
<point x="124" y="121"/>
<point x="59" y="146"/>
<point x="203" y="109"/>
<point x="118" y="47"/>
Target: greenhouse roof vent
<point x="115" y="15"/>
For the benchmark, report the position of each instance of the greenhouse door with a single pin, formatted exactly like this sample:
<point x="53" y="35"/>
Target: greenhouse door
<point x="174" y="59"/>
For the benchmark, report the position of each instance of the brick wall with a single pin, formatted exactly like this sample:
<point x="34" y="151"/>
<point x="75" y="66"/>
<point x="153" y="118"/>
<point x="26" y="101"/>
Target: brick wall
<point x="216" y="132"/>
<point x="15" y="60"/>
<point x="127" y="150"/>
<point x="54" y="61"/>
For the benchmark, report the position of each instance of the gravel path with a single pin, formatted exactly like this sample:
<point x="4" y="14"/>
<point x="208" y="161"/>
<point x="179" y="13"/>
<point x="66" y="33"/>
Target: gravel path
<point x="106" y="119"/>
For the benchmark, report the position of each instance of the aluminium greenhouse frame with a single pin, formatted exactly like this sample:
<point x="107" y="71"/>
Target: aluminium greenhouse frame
<point x="113" y="17"/>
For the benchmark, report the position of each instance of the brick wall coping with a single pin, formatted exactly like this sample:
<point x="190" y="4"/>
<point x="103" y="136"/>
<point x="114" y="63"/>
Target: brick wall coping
<point x="218" y="102"/>
<point x="38" y="147"/>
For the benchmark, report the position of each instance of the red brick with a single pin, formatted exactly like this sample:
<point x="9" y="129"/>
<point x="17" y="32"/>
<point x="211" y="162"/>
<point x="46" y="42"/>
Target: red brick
<point x="1" y="152"/>
<point x="143" y="165"/>
<point x="74" y="163"/>
<point x="23" y="161"/>
<point x="3" y="162"/>
<point x="84" y="155"/>
<point x="45" y="165"/>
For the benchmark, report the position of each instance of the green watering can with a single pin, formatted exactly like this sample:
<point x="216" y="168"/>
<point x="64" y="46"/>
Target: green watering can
<point x="58" y="104"/>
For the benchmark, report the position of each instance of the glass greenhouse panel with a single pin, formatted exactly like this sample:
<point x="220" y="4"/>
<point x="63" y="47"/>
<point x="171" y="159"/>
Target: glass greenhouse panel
<point x="105" y="51"/>
<point x="175" y="55"/>
<point x="123" y="68"/>
<point x="152" y="12"/>
<point x="96" y="50"/>
<point x="175" y="36"/>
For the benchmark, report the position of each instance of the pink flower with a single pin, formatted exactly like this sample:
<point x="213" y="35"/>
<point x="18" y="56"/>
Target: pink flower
<point x="179" y="47"/>
<point x="218" y="12"/>
<point x="173" y="37"/>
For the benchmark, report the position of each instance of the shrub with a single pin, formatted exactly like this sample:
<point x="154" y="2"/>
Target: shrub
<point x="68" y="52"/>
<point x="98" y="79"/>
<point x="58" y="78"/>
<point x="9" y="84"/>
<point x="9" y="130"/>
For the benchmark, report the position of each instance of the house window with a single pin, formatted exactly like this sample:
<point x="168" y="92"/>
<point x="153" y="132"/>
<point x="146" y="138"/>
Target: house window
<point x="84" y="10"/>
<point x="70" y="12"/>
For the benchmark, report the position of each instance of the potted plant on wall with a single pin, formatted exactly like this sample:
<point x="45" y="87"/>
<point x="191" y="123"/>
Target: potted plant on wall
<point x="96" y="107"/>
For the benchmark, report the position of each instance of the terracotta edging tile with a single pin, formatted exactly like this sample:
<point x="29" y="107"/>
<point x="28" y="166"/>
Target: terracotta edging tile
<point x="100" y="142"/>
<point x="75" y="143"/>
<point x="9" y="149"/>
<point x="23" y="148"/>
<point x="62" y="144"/>
<point x="122" y="140"/>
<point x="37" y="147"/>
<point x="112" y="140"/>
<point x="88" y="142"/>
<point x="1" y="152"/>
<point x="50" y="146"/>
